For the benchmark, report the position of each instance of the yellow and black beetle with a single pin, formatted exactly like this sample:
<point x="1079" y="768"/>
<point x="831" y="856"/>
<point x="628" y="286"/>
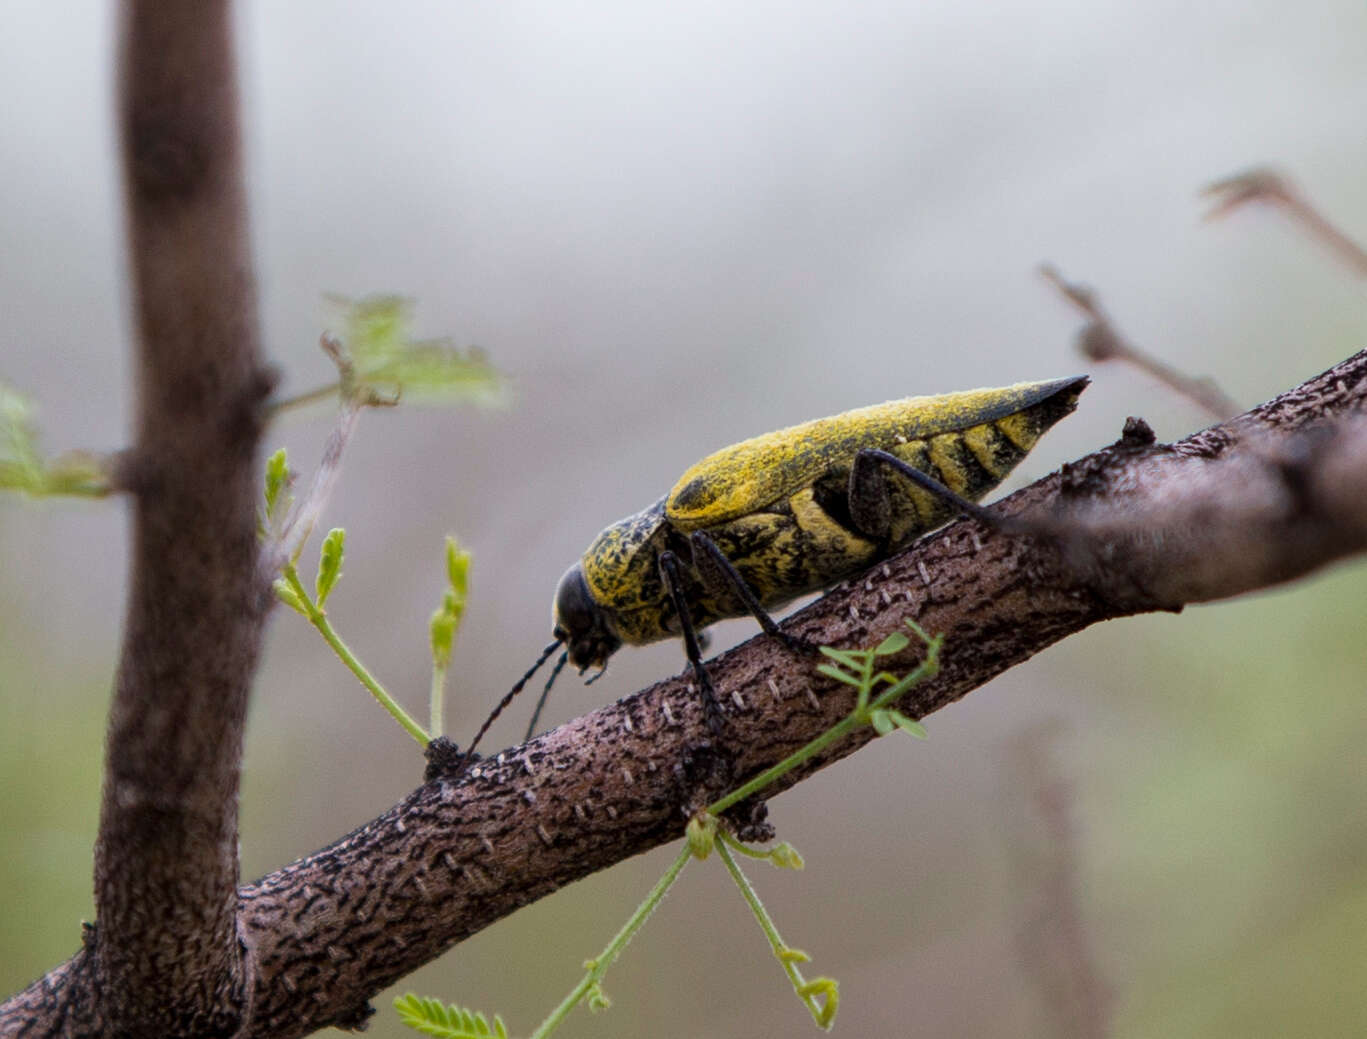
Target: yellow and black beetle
<point x="757" y="524"/>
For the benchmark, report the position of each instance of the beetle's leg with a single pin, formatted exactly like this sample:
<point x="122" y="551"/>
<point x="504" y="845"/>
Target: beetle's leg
<point x="871" y="504"/>
<point x="716" y="569"/>
<point x="669" y="570"/>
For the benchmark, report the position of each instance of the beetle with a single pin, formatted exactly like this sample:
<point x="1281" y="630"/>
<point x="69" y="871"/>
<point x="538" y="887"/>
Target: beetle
<point x="758" y="524"/>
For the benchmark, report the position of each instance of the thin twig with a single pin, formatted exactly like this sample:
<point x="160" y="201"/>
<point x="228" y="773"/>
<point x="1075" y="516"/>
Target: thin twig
<point x="287" y="542"/>
<point x="1273" y="188"/>
<point x="299" y="400"/>
<point x="1100" y="341"/>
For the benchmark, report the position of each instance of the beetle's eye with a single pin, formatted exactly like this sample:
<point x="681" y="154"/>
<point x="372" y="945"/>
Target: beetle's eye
<point x="575" y="610"/>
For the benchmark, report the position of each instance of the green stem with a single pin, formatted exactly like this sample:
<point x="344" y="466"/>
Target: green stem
<point x="856" y="718"/>
<point x="320" y="621"/>
<point x="598" y="967"/>
<point x="747" y="890"/>
<point x="836" y="732"/>
<point x="824" y="1015"/>
<point x="926" y="669"/>
<point x="435" y="699"/>
<point x="741" y="849"/>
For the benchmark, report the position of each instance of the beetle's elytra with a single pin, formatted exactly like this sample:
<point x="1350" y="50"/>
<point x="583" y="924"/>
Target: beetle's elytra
<point x="757" y="524"/>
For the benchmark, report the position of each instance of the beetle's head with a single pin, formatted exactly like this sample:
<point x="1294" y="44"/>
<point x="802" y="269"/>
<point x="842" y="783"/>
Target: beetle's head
<point x="582" y="623"/>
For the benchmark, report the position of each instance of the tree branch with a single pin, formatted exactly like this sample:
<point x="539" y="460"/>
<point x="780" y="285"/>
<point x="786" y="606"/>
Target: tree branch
<point x="463" y="851"/>
<point x="167" y="957"/>
<point x="1266" y="497"/>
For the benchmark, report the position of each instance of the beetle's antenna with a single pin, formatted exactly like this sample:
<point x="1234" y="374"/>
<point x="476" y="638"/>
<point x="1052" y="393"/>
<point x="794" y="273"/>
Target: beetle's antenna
<point x="555" y="673"/>
<point x="508" y="698"/>
<point x="597" y="675"/>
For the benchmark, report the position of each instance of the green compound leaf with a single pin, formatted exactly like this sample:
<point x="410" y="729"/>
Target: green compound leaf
<point x="21" y="462"/>
<point x="329" y="564"/>
<point x="23" y="467"/>
<point x="378" y="337"/>
<point x="446" y="1021"/>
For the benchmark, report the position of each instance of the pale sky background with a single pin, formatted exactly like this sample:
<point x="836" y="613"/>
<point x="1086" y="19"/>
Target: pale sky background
<point x="675" y="226"/>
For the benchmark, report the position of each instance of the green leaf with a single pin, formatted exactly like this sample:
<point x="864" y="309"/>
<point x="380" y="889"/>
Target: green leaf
<point x="448" y="616"/>
<point x="329" y="564"/>
<point x="830" y="671"/>
<point x="881" y="721"/>
<point x="23" y="467"/>
<point x="77" y="473"/>
<point x="457" y="568"/>
<point x="908" y="725"/>
<point x="894" y="643"/>
<point x="377" y="326"/>
<point x="21" y="463"/>
<point x="434" y="373"/>
<point x="277" y="479"/>
<point x="921" y="634"/>
<point x="379" y="339"/>
<point x="854" y="659"/>
<point x="289" y="596"/>
<point x="443" y="634"/>
<point x="446" y="1021"/>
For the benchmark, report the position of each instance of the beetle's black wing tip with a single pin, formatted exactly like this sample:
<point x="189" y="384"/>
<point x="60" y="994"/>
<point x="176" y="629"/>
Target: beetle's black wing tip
<point x="1074" y="384"/>
<point x="1057" y="398"/>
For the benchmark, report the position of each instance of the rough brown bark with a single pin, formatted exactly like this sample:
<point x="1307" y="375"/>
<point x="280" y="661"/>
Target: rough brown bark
<point x="168" y="957"/>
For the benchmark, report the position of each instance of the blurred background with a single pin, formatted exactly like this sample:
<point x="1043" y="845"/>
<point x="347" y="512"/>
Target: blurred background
<point x="674" y="226"/>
